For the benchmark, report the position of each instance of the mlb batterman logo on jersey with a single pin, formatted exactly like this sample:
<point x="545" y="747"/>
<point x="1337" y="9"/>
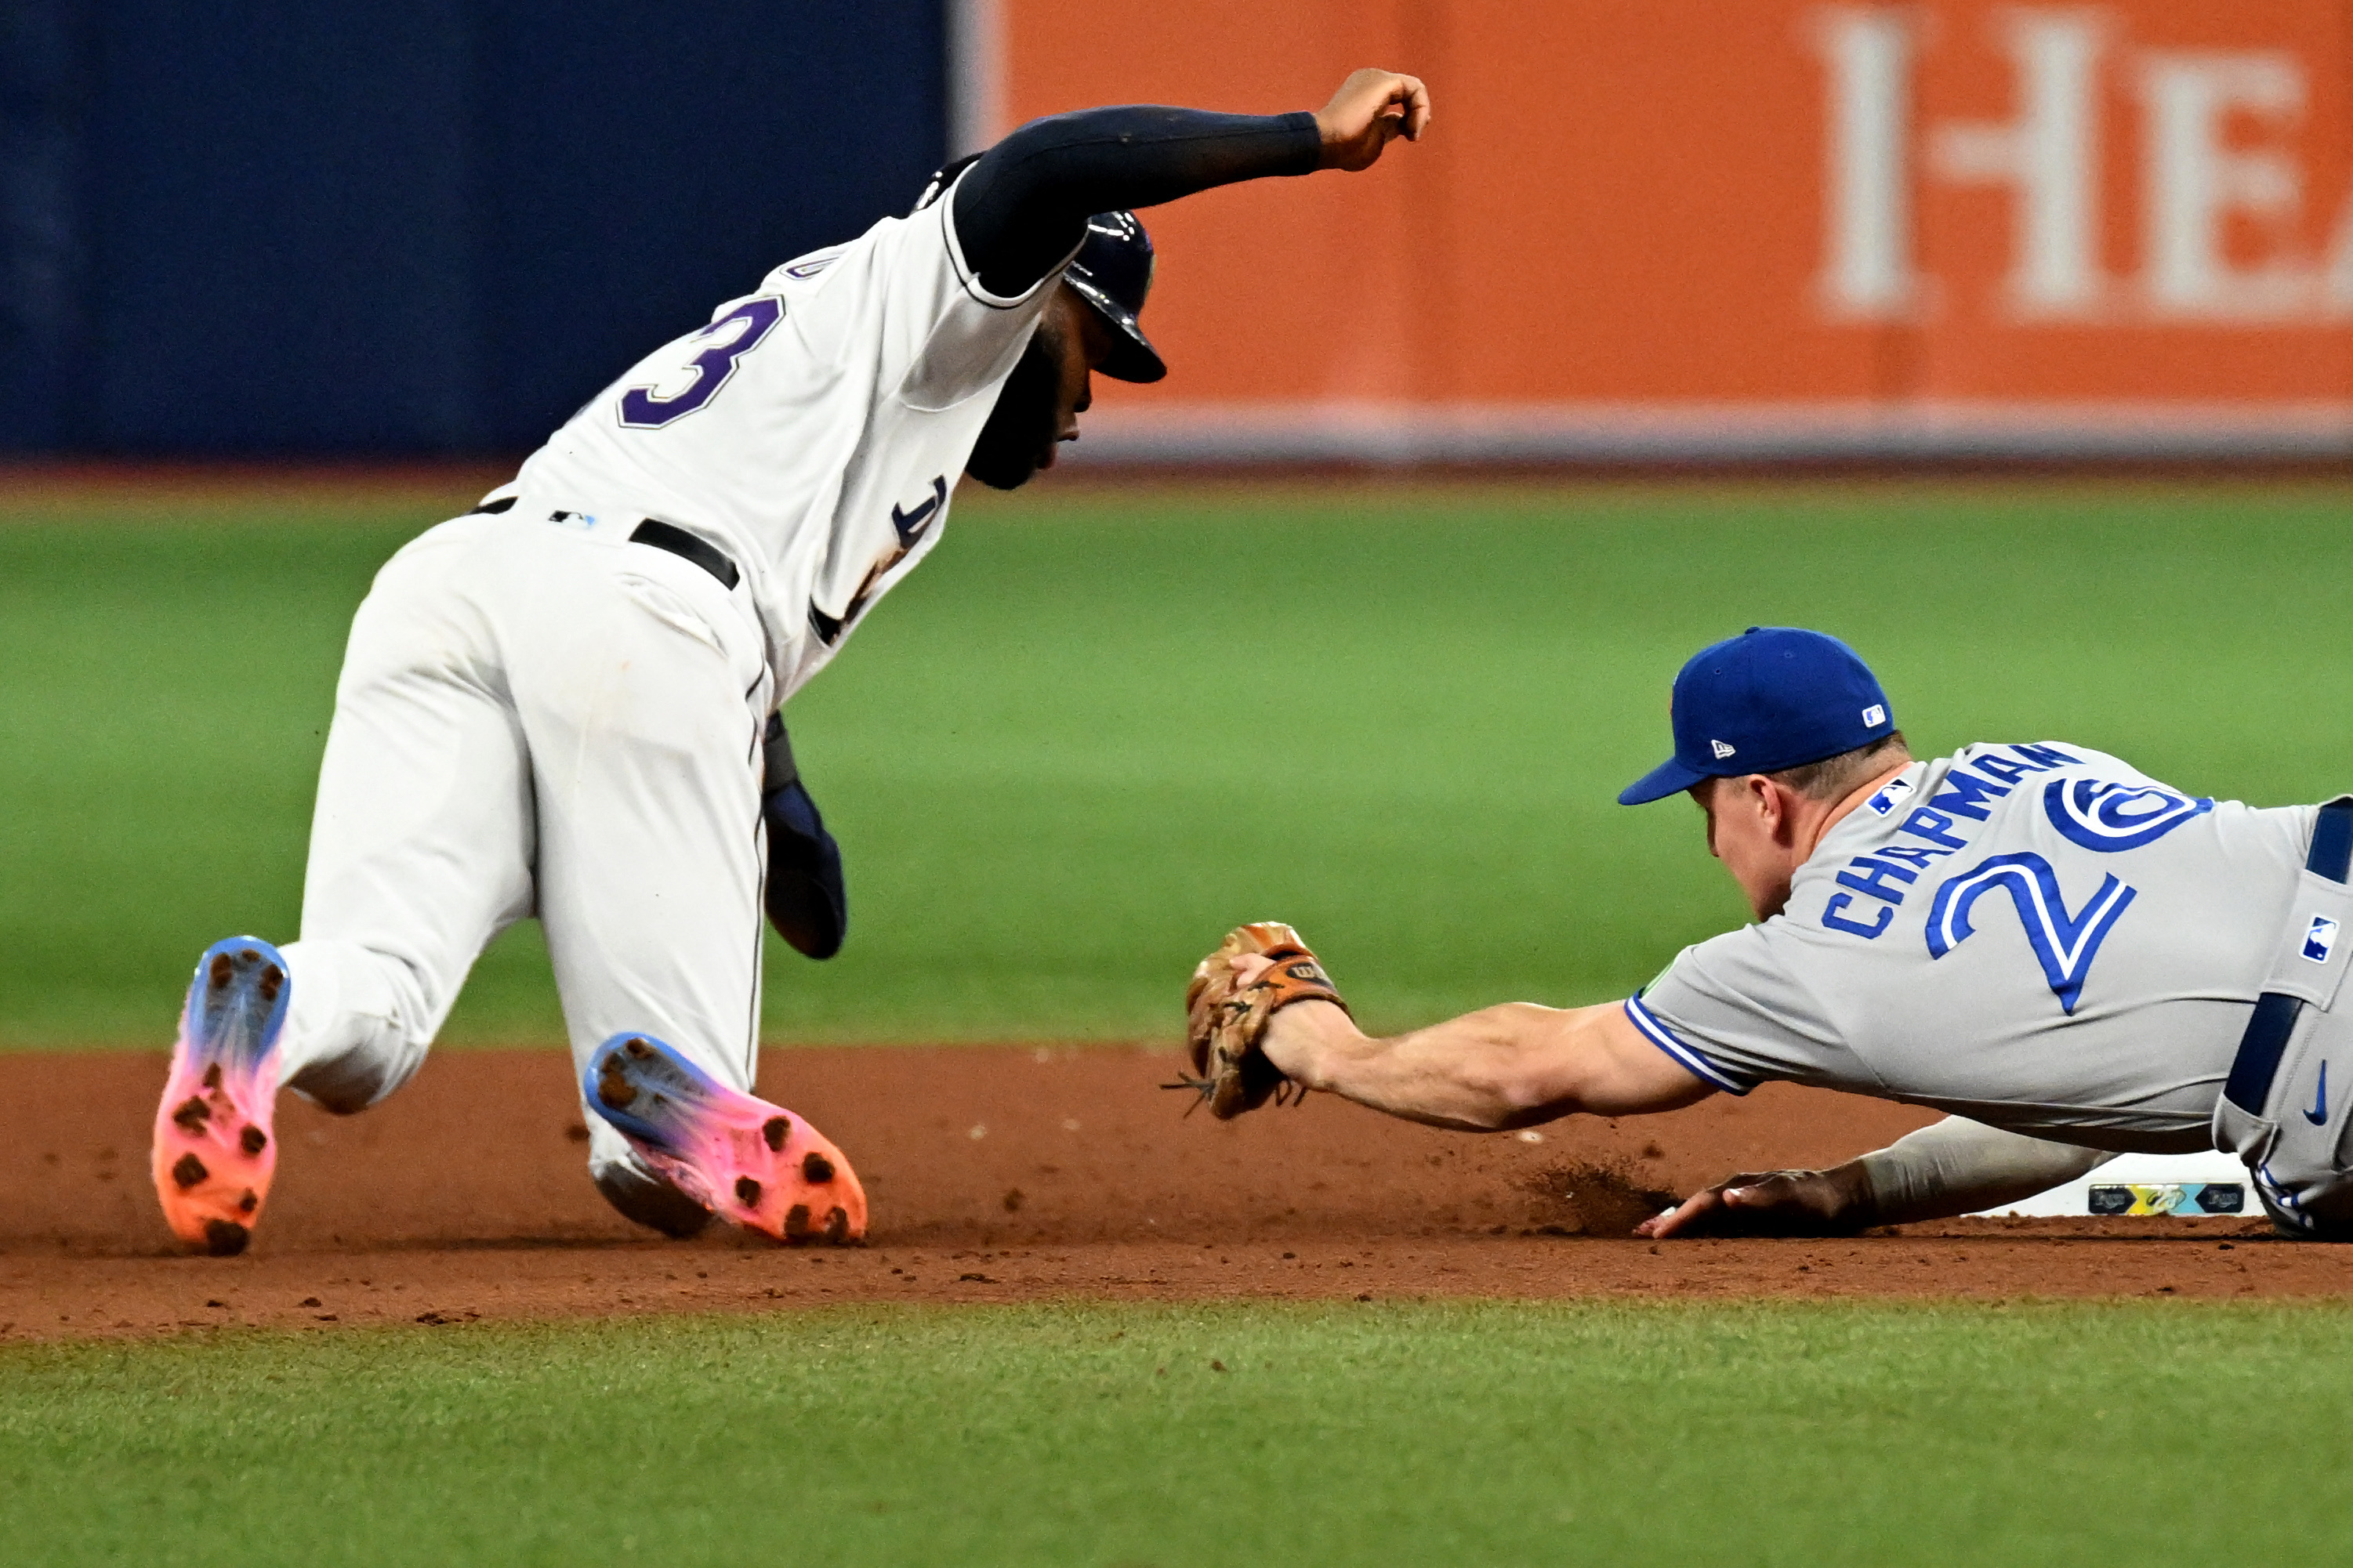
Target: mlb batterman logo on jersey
<point x="1884" y="801"/>
<point x="2320" y="939"/>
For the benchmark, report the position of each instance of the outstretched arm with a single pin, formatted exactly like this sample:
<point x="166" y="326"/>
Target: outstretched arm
<point x="1024" y="204"/>
<point x="1951" y="1167"/>
<point x="1512" y="1065"/>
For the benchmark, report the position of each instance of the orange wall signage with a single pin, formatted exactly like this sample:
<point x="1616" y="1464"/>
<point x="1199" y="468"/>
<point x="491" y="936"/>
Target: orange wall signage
<point x="1701" y="218"/>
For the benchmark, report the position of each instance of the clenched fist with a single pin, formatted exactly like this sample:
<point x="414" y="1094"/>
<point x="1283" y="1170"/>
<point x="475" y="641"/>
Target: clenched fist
<point x="1371" y="108"/>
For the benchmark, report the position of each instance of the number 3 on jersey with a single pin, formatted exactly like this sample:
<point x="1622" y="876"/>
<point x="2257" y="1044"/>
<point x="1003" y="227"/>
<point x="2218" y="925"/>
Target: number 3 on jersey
<point x="643" y="409"/>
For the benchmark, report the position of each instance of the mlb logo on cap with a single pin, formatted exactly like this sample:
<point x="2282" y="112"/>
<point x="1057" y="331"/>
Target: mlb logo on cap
<point x="1772" y="697"/>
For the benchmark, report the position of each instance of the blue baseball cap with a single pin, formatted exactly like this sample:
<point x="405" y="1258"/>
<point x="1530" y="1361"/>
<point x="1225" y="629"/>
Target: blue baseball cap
<point x="1772" y="697"/>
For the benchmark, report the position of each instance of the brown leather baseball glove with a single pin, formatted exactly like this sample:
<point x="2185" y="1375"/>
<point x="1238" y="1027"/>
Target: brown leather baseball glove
<point x="1225" y="1020"/>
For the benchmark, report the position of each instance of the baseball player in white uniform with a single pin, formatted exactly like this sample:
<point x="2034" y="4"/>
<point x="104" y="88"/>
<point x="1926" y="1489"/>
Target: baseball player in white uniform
<point x="562" y="704"/>
<point x="2070" y="957"/>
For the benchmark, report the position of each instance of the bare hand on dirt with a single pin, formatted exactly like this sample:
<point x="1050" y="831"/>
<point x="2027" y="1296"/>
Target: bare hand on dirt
<point x="1769" y="1203"/>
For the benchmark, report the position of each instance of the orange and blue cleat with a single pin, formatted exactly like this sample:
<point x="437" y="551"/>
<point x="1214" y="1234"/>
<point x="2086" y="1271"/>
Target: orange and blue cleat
<point x="213" y="1153"/>
<point x="748" y="1161"/>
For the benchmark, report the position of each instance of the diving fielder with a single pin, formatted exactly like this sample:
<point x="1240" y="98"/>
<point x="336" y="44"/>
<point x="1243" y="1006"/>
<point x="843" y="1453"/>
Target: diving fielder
<point x="565" y="702"/>
<point x="2071" y="958"/>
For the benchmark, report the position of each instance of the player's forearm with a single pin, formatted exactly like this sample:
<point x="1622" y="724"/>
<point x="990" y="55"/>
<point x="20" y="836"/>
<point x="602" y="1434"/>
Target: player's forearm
<point x="1024" y="206"/>
<point x="1957" y="1166"/>
<point x="1478" y="1073"/>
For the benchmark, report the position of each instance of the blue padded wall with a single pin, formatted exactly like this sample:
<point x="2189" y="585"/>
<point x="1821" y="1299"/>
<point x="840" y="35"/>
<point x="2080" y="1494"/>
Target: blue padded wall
<point x="401" y="230"/>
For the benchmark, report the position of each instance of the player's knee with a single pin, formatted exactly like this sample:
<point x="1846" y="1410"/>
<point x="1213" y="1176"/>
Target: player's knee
<point x="2326" y="1218"/>
<point x="359" y="1027"/>
<point x="354" y="1079"/>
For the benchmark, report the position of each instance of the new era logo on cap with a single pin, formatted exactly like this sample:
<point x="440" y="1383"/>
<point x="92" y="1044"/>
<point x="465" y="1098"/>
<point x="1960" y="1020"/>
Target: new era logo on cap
<point x="1720" y="749"/>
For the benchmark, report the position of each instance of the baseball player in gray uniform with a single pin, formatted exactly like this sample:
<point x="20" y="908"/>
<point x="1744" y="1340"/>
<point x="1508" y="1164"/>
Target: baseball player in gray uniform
<point x="2071" y="958"/>
<point x="565" y="702"/>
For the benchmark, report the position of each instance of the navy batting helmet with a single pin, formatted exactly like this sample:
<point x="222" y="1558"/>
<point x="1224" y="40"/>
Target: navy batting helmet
<point x="1112" y="272"/>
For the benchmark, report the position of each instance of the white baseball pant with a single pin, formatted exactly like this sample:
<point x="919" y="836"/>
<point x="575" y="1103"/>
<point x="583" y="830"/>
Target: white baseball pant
<point x="538" y="719"/>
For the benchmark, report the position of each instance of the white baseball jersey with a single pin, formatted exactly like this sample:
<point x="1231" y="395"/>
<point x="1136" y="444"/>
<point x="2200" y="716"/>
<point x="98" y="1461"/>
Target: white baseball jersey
<point x="814" y="430"/>
<point x="2037" y="937"/>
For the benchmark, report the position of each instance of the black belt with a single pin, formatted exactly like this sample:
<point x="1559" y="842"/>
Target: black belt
<point x="2260" y="1049"/>
<point x="687" y="547"/>
<point x="658" y="533"/>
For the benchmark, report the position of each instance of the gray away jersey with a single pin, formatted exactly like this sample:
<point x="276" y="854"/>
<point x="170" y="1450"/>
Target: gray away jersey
<point x="2034" y="936"/>
<point x="814" y="430"/>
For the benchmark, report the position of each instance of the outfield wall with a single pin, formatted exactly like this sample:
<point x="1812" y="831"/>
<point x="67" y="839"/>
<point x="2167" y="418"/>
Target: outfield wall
<point x="412" y="227"/>
<point x="1644" y="229"/>
<point x="1659" y="229"/>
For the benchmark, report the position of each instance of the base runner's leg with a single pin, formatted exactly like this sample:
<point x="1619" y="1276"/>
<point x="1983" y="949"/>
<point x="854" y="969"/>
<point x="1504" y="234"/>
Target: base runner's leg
<point x="421" y="842"/>
<point x="420" y="848"/>
<point x="644" y="701"/>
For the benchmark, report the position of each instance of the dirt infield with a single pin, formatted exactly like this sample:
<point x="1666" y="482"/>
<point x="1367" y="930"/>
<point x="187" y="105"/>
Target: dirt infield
<point x="997" y="1175"/>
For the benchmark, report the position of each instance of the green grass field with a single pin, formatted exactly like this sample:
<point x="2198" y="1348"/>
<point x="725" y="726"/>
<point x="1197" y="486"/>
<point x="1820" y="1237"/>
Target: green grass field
<point x="1674" y="1437"/>
<point x="1091" y="734"/>
<point x="1096" y="731"/>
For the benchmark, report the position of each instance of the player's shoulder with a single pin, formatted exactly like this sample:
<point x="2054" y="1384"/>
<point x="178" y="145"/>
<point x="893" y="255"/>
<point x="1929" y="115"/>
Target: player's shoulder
<point x="815" y="271"/>
<point x="2048" y="794"/>
<point x="1991" y="770"/>
<point x="1737" y="959"/>
<point x="1998" y="782"/>
<point x="875" y="252"/>
<point x="2013" y="760"/>
<point x="805" y="272"/>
